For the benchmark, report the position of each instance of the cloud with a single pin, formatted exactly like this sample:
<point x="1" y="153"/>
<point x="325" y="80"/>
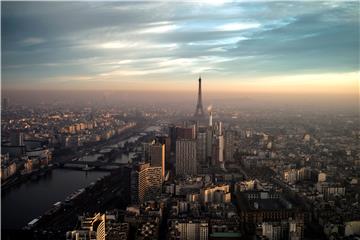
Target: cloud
<point x="32" y="41"/>
<point x="238" y="26"/>
<point x="162" y="40"/>
<point x="223" y="41"/>
<point x="116" y="45"/>
<point x="159" y="29"/>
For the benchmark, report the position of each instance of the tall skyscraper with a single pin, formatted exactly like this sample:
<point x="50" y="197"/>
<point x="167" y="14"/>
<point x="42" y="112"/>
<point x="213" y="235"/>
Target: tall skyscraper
<point x="215" y="150"/>
<point x="146" y="150"/>
<point x="199" y="112"/>
<point x="229" y="145"/>
<point x="217" y="156"/>
<point x="185" y="157"/>
<point x="172" y="135"/>
<point x="146" y="182"/>
<point x="167" y="141"/>
<point x="209" y="138"/>
<point x="180" y="132"/>
<point x="209" y="143"/>
<point x="157" y="156"/>
<point x="201" y="145"/>
<point x="221" y="146"/>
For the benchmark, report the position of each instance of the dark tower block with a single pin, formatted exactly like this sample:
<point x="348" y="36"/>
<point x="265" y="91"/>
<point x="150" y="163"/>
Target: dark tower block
<point x="199" y="112"/>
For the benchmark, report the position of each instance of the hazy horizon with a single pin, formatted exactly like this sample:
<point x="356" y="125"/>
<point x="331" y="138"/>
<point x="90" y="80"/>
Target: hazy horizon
<point x="186" y="99"/>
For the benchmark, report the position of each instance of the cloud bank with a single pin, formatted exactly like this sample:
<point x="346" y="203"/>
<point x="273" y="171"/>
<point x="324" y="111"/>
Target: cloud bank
<point x="108" y="45"/>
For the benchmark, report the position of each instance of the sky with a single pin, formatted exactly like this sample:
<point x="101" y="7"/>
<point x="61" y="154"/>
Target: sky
<point x="288" y="47"/>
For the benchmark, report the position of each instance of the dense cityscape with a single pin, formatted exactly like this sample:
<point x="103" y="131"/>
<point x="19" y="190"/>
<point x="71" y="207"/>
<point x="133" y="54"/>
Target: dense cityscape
<point x="180" y="120"/>
<point x="212" y="175"/>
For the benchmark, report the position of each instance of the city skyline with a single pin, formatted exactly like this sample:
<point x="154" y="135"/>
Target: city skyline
<point x="199" y="120"/>
<point x="259" y="47"/>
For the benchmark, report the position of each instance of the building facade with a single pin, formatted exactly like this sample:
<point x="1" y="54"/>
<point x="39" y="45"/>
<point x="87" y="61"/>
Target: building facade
<point x="157" y="156"/>
<point x="201" y="146"/>
<point x="185" y="157"/>
<point x="146" y="182"/>
<point x="229" y="145"/>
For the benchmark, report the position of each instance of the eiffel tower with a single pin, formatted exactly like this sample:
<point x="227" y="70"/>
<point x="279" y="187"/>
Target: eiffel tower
<point x="199" y="112"/>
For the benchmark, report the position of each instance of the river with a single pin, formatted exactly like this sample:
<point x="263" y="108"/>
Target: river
<point x="31" y="199"/>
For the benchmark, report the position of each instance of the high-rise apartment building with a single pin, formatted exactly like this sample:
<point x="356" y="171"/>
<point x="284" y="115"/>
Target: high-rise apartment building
<point x="146" y="182"/>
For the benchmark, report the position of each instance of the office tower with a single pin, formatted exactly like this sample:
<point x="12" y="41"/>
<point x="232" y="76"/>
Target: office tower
<point x="220" y="139"/>
<point x="221" y="151"/>
<point x="177" y="132"/>
<point x="167" y="141"/>
<point x="215" y="148"/>
<point x="201" y="146"/>
<point x="199" y="112"/>
<point x="157" y="156"/>
<point x="209" y="138"/>
<point x="209" y="143"/>
<point x="172" y="135"/>
<point x="229" y="145"/>
<point x="91" y="228"/>
<point x="185" y="157"/>
<point x="146" y="150"/>
<point x="146" y="182"/>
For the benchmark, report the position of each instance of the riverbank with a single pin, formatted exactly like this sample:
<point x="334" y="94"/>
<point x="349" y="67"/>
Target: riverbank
<point x="19" y="179"/>
<point x="29" y="200"/>
<point x="62" y="157"/>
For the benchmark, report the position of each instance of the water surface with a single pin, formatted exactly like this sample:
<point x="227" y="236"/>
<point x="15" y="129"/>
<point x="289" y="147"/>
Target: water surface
<point x="31" y="199"/>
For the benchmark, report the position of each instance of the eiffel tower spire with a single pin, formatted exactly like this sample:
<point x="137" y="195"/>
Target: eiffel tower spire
<point x="199" y="112"/>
